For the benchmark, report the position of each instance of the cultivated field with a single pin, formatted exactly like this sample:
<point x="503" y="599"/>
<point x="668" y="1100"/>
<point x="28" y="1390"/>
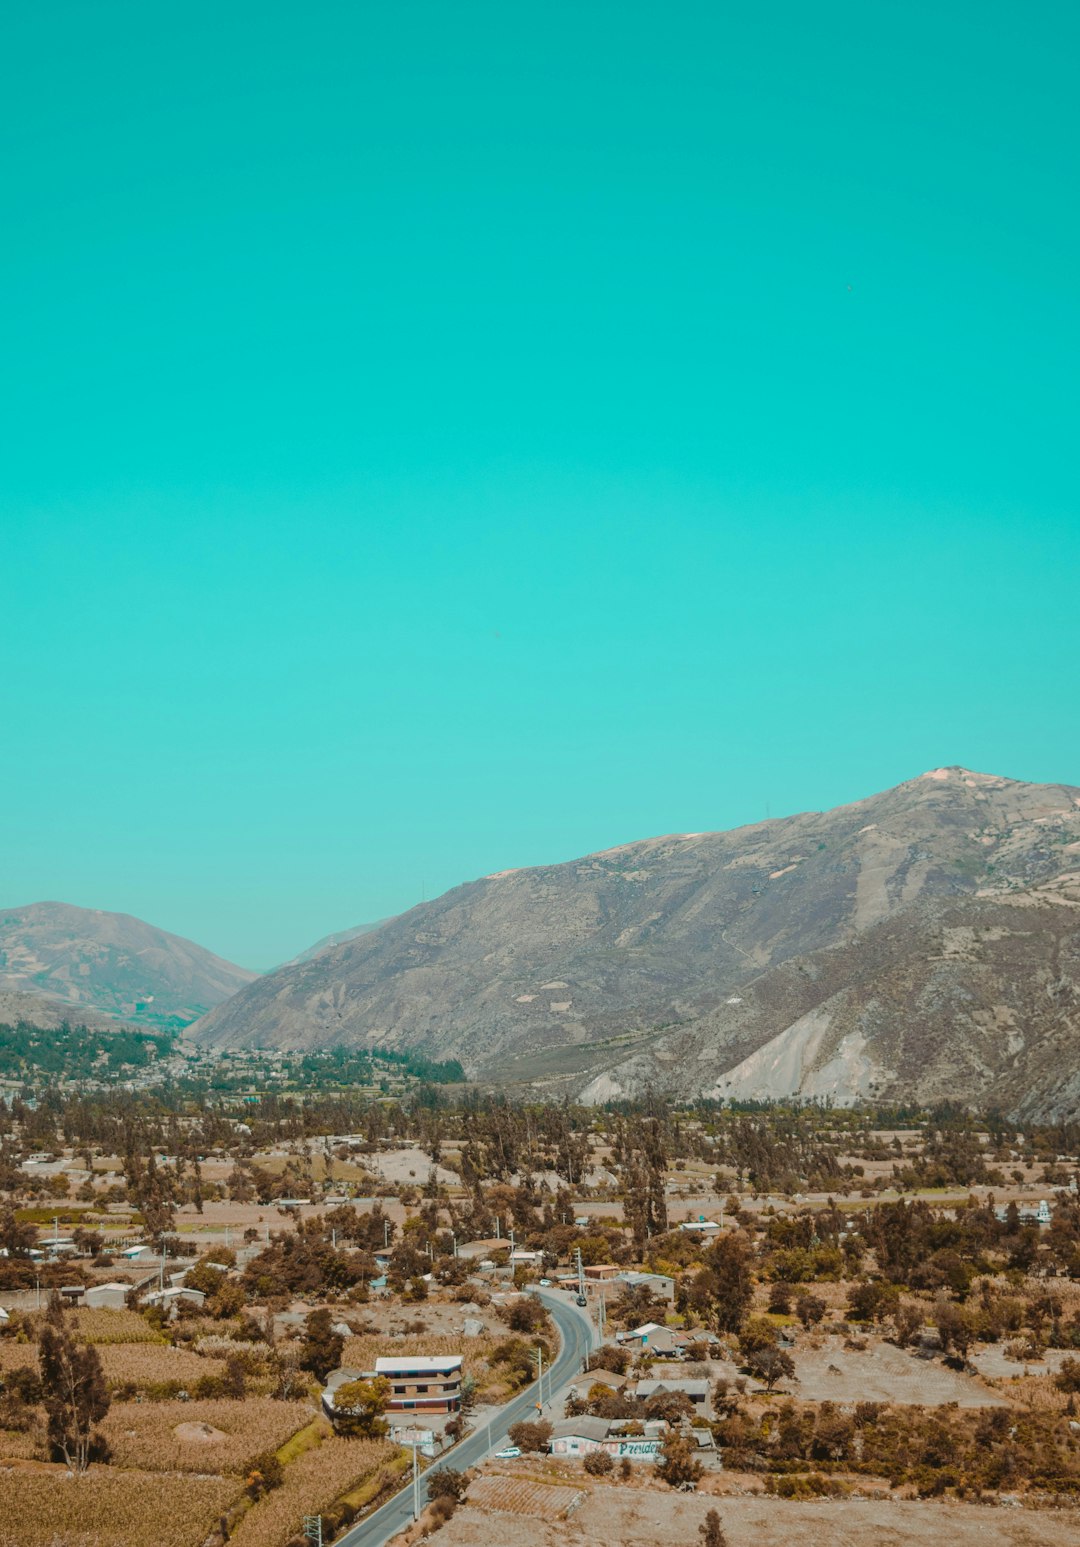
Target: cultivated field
<point x="312" y="1483"/>
<point x="214" y="1436"/>
<point x="108" y="1508"/>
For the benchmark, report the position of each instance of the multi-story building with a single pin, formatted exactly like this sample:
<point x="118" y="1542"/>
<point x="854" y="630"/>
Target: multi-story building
<point x="430" y="1384"/>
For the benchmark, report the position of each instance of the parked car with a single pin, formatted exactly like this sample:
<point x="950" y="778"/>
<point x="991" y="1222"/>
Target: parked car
<point x="509" y="1453"/>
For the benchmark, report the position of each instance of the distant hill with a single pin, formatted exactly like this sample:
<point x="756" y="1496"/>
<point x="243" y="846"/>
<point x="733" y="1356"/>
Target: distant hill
<point x="551" y="977"/>
<point x="111" y="963"/>
<point x="340" y="938"/>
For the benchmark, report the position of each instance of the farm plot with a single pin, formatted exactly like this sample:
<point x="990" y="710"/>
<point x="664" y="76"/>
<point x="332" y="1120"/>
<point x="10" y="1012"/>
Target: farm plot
<point x="524" y="1496"/>
<point x="147" y="1365"/>
<point x="106" y="1508"/>
<point x="312" y="1483"/>
<point x="215" y="1436"/>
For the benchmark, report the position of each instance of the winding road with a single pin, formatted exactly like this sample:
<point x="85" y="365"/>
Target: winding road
<point x="576" y="1336"/>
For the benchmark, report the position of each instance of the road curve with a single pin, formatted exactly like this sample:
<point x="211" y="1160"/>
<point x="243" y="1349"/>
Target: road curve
<point x="576" y="1334"/>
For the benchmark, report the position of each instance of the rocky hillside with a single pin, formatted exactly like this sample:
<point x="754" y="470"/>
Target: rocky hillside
<point x="976" y="999"/>
<point x="112" y="963"/>
<point x="550" y="976"/>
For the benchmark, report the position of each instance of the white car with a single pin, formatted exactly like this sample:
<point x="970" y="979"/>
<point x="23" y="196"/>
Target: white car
<point x="509" y="1453"/>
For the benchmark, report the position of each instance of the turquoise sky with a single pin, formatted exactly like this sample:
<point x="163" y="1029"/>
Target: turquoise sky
<point x="439" y="438"/>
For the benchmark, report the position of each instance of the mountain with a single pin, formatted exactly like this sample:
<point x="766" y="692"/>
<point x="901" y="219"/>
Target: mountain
<point x="553" y="976"/>
<point x="339" y="938"/>
<point x="973" y="998"/>
<point x="112" y="963"/>
<point x="50" y="1014"/>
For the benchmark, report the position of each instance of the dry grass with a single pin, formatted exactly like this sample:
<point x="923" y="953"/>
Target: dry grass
<point x="1038" y="1392"/>
<point x="13" y="1354"/>
<point x="17" y="1444"/>
<point x="108" y="1508"/>
<point x="143" y="1434"/>
<point x="311" y="1485"/>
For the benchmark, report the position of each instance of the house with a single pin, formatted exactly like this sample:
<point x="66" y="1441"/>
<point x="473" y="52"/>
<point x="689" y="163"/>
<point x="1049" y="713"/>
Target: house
<point x="169" y="1298"/>
<point x="583" y="1436"/>
<point x="578" y="1436"/>
<point x="110" y="1297"/>
<point x="418" y="1383"/>
<point x="598" y="1272"/>
<point x="651" y="1335"/>
<point x="422" y="1383"/>
<point x="700" y="1226"/>
<point x="659" y="1284"/>
<point x="131" y="1252"/>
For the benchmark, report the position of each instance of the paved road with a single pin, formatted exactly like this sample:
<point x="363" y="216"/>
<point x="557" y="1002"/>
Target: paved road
<point x="576" y="1332"/>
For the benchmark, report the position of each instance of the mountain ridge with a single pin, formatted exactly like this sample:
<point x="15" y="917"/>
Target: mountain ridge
<point x="551" y="965"/>
<point x="112" y="963"/>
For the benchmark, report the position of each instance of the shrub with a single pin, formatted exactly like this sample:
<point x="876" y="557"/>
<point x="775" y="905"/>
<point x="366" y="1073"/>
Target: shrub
<point x="598" y="1463"/>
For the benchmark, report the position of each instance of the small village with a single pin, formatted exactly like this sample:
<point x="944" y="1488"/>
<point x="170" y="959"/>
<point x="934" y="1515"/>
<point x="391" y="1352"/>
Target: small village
<point x="456" y="1312"/>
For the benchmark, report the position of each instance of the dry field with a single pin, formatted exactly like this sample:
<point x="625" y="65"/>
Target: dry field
<point x="107" y="1508"/>
<point x="214" y="1436"/>
<point x="312" y="1483"/>
<point x="883" y="1373"/>
<point x="655" y="1517"/>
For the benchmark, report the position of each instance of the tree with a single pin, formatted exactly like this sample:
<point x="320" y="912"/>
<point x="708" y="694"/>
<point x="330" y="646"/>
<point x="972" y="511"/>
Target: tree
<point x="761" y="1356"/>
<point x="1068" y="1377"/>
<point x="712" y="1532"/>
<point x="530" y="1434"/>
<point x="810" y="1309"/>
<point x="770" y="1365"/>
<point x="73" y="1390"/>
<point x="447" y="1483"/>
<point x="322" y="1347"/>
<point x="729" y="1281"/>
<point x="359" y="1405"/>
<point x="266" y="1472"/>
<point x="678" y="1464"/>
<point x="598" y="1463"/>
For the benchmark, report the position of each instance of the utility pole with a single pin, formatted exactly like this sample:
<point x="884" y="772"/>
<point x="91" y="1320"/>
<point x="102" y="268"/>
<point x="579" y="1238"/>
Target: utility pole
<point x="313" y="1529"/>
<point x="415" y="1483"/>
<point x="540" y="1378"/>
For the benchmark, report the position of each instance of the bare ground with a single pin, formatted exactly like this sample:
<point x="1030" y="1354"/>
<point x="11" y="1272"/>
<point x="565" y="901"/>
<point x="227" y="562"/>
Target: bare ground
<point x="884" y="1373"/>
<point x="640" y="1517"/>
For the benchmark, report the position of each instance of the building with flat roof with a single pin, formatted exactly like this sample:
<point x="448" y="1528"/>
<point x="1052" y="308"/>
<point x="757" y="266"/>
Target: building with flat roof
<point x="422" y="1383"/>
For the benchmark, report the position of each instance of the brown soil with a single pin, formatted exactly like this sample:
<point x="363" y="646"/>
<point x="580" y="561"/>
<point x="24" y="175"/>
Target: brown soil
<point x="199" y="1433"/>
<point x="655" y="1517"/>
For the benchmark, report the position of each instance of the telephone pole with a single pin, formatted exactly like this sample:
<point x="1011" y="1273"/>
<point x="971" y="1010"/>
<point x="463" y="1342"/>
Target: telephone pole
<point x="313" y="1529"/>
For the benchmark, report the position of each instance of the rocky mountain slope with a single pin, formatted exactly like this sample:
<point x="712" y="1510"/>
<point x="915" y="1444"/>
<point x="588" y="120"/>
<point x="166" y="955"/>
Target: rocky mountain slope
<point x="550" y="976"/>
<point x="112" y="963"/>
